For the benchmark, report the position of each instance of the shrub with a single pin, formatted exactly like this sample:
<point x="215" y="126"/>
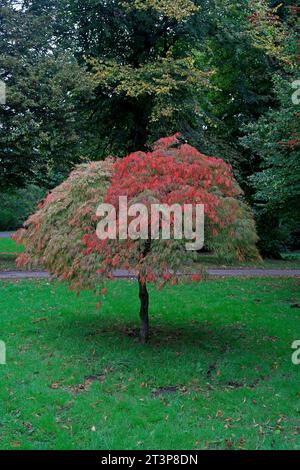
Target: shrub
<point x="16" y="205"/>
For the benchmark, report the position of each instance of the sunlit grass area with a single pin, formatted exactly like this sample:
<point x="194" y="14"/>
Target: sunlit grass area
<point x="7" y="245"/>
<point x="8" y="252"/>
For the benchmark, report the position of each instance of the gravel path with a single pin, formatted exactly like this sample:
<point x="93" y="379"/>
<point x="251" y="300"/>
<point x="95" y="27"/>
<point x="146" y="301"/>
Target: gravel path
<point x="6" y="234"/>
<point x="254" y="272"/>
<point x="16" y="275"/>
<point x="122" y="274"/>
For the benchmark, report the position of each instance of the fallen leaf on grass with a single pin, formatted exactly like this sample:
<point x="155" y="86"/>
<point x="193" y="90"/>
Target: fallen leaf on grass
<point x="83" y="387"/>
<point x="273" y="339"/>
<point x="29" y="427"/>
<point x="54" y="386"/>
<point x="228" y="443"/>
<point x="39" y="320"/>
<point x="15" y="444"/>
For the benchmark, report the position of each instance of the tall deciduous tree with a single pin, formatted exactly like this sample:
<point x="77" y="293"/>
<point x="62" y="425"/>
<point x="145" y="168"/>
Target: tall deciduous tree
<point x="275" y="137"/>
<point x="41" y="133"/>
<point x="147" y="80"/>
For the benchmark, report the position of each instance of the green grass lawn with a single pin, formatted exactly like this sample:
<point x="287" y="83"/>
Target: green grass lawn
<point x="8" y="252"/>
<point x="216" y="374"/>
<point x="9" y="246"/>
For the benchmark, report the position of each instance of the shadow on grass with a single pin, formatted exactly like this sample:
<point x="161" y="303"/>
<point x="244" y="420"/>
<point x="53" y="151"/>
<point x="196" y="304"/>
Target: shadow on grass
<point x="173" y="356"/>
<point x="196" y="335"/>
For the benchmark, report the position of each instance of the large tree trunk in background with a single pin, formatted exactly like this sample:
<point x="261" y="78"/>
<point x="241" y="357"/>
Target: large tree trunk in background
<point x="144" y="298"/>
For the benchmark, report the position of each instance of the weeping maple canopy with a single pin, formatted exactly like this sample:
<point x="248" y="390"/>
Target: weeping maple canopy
<point x="53" y="236"/>
<point x="175" y="173"/>
<point x="61" y="235"/>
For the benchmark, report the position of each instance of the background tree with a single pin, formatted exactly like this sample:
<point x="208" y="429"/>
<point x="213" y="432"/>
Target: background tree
<point x="41" y="133"/>
<point x="275" y="137"/>
<point x="146" y="77"/>
<point x="62" y="234"/>
<point x="86" y="79"/>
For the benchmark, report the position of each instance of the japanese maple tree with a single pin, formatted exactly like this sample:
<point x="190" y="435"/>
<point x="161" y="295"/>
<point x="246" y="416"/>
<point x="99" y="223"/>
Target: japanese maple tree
<point x="62" y="234"/>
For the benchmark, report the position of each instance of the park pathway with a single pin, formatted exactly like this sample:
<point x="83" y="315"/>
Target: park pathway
<point x="123" y="274"/>
<point x="6" y="234"/>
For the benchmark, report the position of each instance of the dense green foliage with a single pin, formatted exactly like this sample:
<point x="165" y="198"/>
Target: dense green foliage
<point x="275" y="139"/>
<point x="277" y="185"/>
<point x="17" y="204"/>
<point x="41" y="135"/>
<point x="86" y="79"/>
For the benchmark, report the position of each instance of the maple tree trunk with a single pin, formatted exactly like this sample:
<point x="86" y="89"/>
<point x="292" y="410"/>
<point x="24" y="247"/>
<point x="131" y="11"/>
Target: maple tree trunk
<point x="144" y="298"/>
